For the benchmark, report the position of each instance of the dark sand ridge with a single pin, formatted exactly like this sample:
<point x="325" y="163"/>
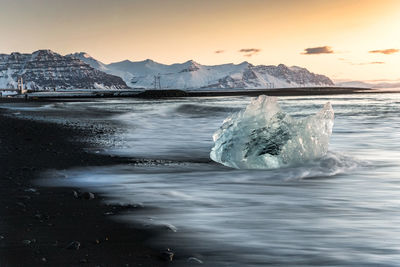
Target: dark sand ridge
<point x="37" y="224"/>
<point x="302" y="91"/>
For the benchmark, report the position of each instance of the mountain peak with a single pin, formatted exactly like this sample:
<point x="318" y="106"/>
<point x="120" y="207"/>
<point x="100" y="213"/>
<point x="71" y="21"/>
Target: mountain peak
<point x="44" y="52"/>
<point x="44" y="55"/>
<point x="125" y="61"/>
<point x="81" y="54"/>
<point x="86" y="58"/>
<point x="190" y="66"/>
<point x="297" y="68"/>
<point x="246" y="64"/>
<point x="149" y="62"/>
<point x="190" y="62"/>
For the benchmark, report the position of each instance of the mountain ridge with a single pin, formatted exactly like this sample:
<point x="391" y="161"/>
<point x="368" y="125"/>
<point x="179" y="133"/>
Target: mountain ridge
<point x="193" y="75"/>
<point x="47" y="70"/>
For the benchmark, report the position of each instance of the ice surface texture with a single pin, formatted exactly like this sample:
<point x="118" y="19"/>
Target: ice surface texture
<point x="262" y="136"/>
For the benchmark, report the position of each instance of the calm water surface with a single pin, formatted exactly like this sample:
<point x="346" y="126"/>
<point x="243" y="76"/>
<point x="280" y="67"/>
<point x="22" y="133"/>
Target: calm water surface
<point x="341" y="210"/>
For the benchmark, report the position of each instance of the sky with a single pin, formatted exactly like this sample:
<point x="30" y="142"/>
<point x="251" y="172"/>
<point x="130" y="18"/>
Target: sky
<point x="343" y="39"/>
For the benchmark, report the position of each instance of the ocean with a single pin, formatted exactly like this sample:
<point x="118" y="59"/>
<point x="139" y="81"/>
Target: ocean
<point x="339" y="210"/>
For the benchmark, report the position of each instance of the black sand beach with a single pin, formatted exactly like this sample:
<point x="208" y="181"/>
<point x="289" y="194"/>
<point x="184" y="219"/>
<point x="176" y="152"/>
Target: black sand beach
<point x="39" y="225"/>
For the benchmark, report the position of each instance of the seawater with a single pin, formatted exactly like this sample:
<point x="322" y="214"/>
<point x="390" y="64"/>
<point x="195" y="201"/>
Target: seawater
<point x="341" y="210"/>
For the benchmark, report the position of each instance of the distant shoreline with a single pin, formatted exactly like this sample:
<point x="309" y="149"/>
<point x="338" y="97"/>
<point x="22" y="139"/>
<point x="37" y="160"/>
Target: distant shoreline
<point x="173" y="93"/>
<point x="255" y="92"/>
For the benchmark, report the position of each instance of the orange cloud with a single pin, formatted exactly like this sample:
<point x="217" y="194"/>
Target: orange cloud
<point x="249" y="51"/>
<point x="362" y="63"/>
<point x="318" y="50"/>
<point x="369" y="63"/>
<point x="385" y="51"/>
<point x="219" y="51"/>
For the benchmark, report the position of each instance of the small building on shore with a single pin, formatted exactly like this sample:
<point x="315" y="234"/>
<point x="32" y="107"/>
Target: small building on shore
<point x="8" y="92"/>
<point x="14" y="92"/>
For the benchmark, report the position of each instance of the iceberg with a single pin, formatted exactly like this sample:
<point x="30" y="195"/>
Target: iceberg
<point x="262" y="136"/>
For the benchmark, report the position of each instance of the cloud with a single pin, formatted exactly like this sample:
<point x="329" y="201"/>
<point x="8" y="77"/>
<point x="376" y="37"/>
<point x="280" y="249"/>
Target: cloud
<point x="368" y="63"/>
<point x="361" y="63"/>
<point x="385" y="51"/>
<point x="318" y="50"/>
<point x="219" y="51"/>
<point x="249" y="51"/>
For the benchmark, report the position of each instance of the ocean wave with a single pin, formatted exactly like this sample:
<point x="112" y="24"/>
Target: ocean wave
<point x="330" y="165"/>
<point x="203" y="110"/>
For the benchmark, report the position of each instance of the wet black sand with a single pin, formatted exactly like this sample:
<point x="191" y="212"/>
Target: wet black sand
<point x="37" y="224"/>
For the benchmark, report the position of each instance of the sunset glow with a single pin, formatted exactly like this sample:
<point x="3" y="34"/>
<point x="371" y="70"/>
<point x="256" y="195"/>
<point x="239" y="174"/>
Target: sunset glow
<point x="215" y="32"/>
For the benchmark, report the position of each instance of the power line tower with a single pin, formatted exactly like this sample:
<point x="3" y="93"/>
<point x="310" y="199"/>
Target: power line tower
<point x="21" y="86"/>
<point x="157" y="81"/>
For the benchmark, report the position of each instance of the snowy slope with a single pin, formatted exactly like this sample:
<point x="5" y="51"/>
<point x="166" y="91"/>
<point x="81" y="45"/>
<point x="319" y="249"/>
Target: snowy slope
<point x="192" y="75"/>
<point x="84" y="57"/>
<point x="45" y="69"/>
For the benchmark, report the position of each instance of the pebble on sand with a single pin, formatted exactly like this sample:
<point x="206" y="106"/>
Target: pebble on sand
<point x="75" y="245"/>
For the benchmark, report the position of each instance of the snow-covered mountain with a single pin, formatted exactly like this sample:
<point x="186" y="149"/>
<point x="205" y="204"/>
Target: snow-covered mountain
<point x="45" y="69"/>
<point x="192" y="75"/>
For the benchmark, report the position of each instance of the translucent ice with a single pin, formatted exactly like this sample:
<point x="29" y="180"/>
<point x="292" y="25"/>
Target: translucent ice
<point x="262" y="136"/>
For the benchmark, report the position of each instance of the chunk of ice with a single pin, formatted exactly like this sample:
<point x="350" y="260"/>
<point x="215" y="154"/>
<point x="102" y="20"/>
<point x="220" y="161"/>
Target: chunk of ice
<point x="262" y="136"/>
